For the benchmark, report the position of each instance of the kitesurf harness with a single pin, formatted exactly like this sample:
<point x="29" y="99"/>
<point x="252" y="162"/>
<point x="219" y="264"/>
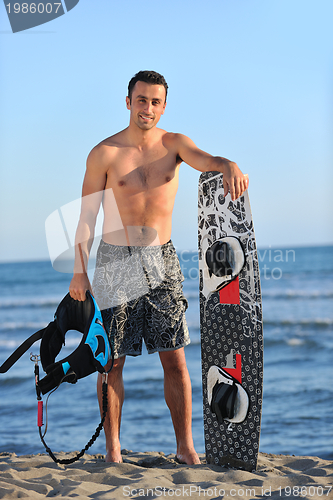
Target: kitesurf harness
<point x="93" y="353"/>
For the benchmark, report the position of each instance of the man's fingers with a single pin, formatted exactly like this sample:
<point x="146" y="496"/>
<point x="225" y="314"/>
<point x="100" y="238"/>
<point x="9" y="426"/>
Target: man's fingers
<point x="236" y="187"/>
<point x="229" y="188"/>
<point x="246" y="181"/>
<point x="79" y="295"/>
<point x="79" y="286"/>
<point x="233" y="190"/>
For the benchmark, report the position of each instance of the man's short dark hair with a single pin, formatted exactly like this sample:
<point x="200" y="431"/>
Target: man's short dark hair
<point x="148" y="77"/>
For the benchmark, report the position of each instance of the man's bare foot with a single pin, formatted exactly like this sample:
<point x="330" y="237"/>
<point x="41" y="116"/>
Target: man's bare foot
<point x="113" y="457"/>
<point x="190" y="458"/>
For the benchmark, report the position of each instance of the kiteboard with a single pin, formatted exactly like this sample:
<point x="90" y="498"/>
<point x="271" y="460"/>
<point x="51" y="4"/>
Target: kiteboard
<point x="231" y="326"/>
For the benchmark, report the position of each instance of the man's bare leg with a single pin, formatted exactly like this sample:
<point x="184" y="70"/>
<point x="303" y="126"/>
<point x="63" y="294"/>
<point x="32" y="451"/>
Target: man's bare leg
<point x="116" y="394"/>
<point x="178" y="397"/>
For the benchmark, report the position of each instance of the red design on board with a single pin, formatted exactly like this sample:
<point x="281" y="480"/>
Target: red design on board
<point x="236" y="372"/>
<point x="230" y="293"/>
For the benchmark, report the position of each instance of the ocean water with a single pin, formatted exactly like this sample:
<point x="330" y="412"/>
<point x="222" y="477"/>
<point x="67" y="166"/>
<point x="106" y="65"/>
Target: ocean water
<point x="297" y="290"/>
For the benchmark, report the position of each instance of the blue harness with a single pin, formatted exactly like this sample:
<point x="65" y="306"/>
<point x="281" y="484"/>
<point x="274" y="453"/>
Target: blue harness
<point x="92" y="354"/>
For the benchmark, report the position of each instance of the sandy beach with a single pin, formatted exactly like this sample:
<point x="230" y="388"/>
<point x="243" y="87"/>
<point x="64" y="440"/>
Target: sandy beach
<point x="154" y="475"/>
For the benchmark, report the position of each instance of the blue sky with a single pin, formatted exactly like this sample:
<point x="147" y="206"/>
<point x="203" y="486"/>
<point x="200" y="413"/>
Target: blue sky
<point x="250" y="80"/>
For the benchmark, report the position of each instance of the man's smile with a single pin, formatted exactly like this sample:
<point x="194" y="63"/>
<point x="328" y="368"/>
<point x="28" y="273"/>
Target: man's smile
<point x="145" y="117"/>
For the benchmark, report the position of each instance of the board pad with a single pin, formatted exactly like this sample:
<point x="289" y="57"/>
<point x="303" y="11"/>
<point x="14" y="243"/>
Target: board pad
<point x="231" y="325"/>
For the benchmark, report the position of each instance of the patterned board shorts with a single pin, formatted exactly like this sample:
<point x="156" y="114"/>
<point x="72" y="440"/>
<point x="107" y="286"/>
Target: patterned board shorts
<point x="140" y="294"/>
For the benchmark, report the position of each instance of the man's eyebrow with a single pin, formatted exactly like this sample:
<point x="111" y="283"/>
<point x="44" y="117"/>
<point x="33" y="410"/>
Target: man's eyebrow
<point x="145" y="97"/>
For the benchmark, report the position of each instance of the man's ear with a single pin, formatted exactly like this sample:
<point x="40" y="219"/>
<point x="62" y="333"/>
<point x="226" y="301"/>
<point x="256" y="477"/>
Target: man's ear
<point x="164" y="108"/>
<point x="128" y="102"/>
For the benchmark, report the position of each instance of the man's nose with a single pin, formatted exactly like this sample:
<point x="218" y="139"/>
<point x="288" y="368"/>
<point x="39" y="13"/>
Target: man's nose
<point x="148" y="108"/>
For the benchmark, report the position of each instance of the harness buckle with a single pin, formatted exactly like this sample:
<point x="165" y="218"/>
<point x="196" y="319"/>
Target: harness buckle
<point x="35" y="358"/>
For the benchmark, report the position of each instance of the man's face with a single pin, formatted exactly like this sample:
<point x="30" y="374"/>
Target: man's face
<point x="147" y="104"/>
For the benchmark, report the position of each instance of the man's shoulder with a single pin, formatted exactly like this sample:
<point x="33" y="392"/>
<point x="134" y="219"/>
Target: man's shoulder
<point x="172" y="137"/>
<point x="113" y="142"/>
<point x="107" y="148"/>
<point x="173" y="140"/>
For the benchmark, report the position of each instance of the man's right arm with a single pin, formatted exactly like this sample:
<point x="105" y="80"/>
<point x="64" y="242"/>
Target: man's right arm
<point x="92" y="193"/>
<point x="234" y="181"/>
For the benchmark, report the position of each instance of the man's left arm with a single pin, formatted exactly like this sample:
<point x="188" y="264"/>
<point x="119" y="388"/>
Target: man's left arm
<point x="234" y="181"/>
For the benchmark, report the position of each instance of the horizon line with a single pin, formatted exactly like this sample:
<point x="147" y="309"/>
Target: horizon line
<point x="179" y="250"/>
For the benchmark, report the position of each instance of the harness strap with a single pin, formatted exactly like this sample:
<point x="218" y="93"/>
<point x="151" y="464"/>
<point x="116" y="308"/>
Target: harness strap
<point x="67" y="461"/>
<point x="55" y="375"/>
<point x="21" y="350"/>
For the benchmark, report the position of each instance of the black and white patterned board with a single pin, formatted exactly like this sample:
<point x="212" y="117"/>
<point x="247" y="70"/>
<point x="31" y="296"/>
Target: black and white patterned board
<point x="231" y="333"/>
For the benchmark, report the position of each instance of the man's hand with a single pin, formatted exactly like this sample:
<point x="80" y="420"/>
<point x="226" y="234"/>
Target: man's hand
<point x="234" y="181"/>
<point x="78" y="287"/>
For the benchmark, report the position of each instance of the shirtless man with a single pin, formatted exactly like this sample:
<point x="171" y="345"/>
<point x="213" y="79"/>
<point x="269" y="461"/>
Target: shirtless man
<point x="140" y="167"/>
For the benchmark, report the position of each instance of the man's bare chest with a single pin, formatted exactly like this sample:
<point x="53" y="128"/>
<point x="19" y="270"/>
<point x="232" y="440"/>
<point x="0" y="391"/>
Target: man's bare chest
<point x="143" y="171"/>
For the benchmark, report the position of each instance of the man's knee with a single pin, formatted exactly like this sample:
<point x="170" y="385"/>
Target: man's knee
<point x="117" y="367"/>
<point x="173" y="361"/>
<point x="118" y="364"/>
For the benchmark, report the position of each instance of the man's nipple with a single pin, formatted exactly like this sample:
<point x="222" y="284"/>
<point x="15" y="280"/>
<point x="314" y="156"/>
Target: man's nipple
<point x="121" y="183"/>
